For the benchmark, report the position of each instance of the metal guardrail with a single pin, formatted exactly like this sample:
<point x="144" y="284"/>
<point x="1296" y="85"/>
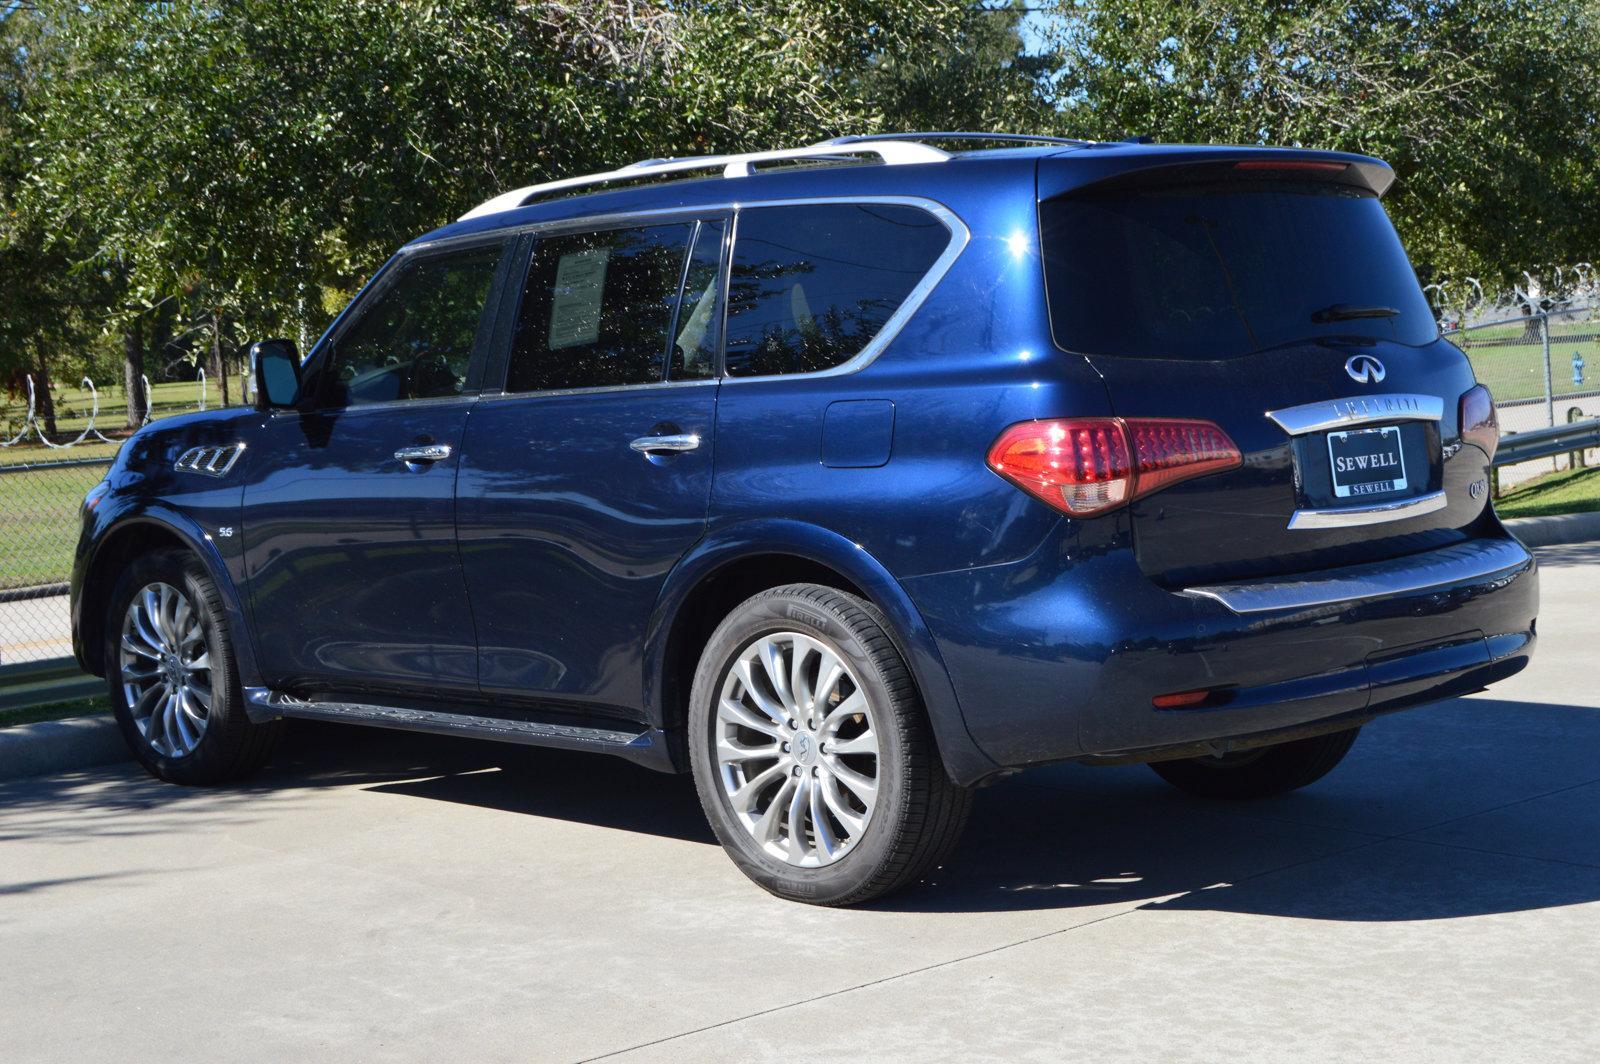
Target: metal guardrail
<point x="1543" y="443"/>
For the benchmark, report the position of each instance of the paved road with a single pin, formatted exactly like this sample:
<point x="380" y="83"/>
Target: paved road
<point x="384" y="897"/>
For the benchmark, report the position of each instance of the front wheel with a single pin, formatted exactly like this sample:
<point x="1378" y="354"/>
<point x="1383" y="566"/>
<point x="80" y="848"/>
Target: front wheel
<point x="1262" y="772"/>
<point x="174" y="684"/>
<point x="812" y="753"/>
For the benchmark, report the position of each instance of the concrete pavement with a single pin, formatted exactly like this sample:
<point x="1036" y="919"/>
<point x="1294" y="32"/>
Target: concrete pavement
<point x="379" y="896"/>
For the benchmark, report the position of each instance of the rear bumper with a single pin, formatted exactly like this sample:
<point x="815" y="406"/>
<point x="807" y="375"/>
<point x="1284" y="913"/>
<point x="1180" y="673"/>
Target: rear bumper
<point x="1060" y="656"/>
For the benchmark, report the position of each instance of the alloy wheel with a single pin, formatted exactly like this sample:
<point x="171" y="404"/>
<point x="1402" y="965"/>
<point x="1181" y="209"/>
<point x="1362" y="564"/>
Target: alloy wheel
<point x="166" y="669"/>
<point x="797" y="749"/>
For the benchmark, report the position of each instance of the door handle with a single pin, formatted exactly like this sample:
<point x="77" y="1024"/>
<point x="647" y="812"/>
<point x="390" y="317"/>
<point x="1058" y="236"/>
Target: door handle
<point x="425" y="452"/>
<point x="666" y="444"/>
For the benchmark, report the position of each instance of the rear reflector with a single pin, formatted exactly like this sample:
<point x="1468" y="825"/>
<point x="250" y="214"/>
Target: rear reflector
<point x="1180" y="699"/>
<point x="1085" y="466"/>
<point x="1291" y="164"/>
<point x="1479" y="424"/>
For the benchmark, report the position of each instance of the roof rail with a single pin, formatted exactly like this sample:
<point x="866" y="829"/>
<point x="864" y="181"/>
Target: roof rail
<point x="890" y="151"/>
<point x="1018" y="138"/>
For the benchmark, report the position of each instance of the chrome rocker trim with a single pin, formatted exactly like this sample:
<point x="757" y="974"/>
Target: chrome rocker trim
<point x="1478" y="559"/>
<point x="1357" y="410"/>
<point x="1354" y="516"/>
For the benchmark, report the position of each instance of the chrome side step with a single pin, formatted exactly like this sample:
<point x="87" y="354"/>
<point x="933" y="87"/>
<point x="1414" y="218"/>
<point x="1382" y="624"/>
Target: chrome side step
<point x="643" y="746"/>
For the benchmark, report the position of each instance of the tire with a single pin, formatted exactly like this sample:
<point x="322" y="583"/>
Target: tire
<point x="1259" y="773"/>
<point x="861" y="850"/>
<point x="179" y="739"/>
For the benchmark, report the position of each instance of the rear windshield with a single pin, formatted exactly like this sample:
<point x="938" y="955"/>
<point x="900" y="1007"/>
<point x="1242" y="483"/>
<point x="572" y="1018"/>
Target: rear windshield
<point x="1217" y="271"/>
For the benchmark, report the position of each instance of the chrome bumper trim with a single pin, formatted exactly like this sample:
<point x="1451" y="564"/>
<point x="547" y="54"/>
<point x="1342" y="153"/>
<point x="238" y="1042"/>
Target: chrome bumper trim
<point x="1353" y="516"/>
<point x="1357" y="410"/>
<point x="1478" y="559"/>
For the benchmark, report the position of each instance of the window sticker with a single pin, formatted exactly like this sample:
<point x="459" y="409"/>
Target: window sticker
<point x="575" y="302"/>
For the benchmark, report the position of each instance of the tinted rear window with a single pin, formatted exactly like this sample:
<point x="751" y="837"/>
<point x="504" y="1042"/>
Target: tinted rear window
<point x="1213" y="272"/>
<point x="813" y="284"/>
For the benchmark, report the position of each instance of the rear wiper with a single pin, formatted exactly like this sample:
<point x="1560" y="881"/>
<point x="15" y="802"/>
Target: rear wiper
<point x="1350" y="311"/>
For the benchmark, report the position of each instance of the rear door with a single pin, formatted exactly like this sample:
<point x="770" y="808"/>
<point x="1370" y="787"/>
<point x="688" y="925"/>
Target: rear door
<point x="589" y="475"/>
<point x="1280" y="305"/>
<point x="349" y="512"/>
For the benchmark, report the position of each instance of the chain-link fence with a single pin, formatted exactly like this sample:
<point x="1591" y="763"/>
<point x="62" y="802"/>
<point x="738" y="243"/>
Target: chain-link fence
<point x="1543" y="370"/>
<point x="51" y="454"/>
<point x="39" y="521"/>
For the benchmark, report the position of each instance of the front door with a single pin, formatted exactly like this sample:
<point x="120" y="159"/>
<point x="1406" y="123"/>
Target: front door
<point x="589" y="476"/>
<point x="349" y="512"/>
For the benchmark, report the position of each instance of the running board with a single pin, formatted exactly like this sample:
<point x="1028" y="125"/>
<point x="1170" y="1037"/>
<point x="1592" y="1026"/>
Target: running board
<point x="645" y="747"/>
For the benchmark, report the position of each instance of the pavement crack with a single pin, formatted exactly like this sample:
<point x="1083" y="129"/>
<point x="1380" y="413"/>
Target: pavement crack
<point x="862" y="986"/>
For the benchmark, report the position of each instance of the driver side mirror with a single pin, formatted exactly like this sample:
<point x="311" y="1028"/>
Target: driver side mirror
<point x="276" y="367"/>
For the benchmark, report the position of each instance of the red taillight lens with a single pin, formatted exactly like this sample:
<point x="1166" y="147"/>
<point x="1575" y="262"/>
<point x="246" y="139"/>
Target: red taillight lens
<point x="1086" y="466"/>
<point x="1479" y="424"/>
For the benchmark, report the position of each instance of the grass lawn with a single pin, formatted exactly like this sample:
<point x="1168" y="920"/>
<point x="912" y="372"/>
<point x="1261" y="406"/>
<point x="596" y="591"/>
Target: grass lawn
<point x="1569" y="491"/>
<point x="78" y="707"/>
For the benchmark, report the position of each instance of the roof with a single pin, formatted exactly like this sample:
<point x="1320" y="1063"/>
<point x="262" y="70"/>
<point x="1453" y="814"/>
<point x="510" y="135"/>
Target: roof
<point x="698" y="180"/>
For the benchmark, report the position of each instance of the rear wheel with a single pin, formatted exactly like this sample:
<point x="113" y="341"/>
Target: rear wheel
<point x="1262" y="772"/>
<point x="812" y="753"/>
<point x="173" y="681"/>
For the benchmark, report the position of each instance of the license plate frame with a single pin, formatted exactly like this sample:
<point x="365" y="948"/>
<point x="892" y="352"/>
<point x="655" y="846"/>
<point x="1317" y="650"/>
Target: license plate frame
<point x="1367" y="455"/>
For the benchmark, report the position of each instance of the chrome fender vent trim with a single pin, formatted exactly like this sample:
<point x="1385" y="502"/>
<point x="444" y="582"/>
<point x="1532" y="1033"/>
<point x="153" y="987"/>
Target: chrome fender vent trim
<point x="209" y="461"/>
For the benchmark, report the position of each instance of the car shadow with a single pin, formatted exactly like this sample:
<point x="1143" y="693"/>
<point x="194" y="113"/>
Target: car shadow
<point x="1470" y="807"/>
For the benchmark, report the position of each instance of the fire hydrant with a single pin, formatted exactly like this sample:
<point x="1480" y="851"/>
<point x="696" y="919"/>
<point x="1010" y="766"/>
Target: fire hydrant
<point x="1577" y="368"/>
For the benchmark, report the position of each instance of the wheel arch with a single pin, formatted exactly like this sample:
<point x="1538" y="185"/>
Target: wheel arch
<point x="729" y="566"/>
<point x="133" y="535"/>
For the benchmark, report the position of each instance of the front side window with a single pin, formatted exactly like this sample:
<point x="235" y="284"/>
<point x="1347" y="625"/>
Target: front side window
<point x="417" y="338"/>
<point x="598" y="309"/>
<point x="811" y="285"/>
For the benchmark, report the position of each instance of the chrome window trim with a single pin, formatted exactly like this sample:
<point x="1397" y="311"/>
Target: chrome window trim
<point x="1357" y="410"/>
<point x="1478" y="559"/>
<point x="598" y="389"/>
<point x="960" y="237"/>
<point x="1355" y="516"/>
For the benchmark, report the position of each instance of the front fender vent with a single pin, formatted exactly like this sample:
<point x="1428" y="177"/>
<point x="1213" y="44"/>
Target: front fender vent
<point x="209" y="461"/>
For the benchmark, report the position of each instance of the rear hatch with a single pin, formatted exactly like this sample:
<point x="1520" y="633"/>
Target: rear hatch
<point x="1266" y="292"/>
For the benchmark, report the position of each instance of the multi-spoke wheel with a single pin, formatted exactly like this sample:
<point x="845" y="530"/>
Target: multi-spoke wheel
<point x="174" y="685"/>
<point x="811" y="751"/>
<point x="166" y="671"/>
<point x="798" y="749"/>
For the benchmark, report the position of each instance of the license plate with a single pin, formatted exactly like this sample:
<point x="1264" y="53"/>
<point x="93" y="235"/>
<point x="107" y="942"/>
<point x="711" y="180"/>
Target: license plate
<point x="1366" y="462"/>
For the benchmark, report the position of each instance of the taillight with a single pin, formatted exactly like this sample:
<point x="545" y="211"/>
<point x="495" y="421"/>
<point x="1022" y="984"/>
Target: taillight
<point x="1086" y="466"/>
<point x="1479" y="425"/>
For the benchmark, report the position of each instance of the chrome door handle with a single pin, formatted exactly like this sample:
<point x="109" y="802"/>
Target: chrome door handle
<point x="665" y="444"/>
<point x="426" y="452"/>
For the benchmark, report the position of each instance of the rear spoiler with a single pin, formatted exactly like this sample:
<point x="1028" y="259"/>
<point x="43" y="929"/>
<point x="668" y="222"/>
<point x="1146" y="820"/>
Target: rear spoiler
<point x="1138" y="164"/>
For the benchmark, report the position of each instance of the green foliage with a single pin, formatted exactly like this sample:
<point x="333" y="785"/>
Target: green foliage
<point x="1486" y="108"/>
<point x="249" y="162"/>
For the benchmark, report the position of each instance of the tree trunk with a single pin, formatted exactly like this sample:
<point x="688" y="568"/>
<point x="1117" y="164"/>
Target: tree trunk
<point x="133" y="375"/>
<point x="220" y="371"/>
<point x="46" y="403"/>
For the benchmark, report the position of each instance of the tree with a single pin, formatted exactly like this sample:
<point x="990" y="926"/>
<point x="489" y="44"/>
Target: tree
<point x="256" y="160"/>
<point x="1486" y="108"/>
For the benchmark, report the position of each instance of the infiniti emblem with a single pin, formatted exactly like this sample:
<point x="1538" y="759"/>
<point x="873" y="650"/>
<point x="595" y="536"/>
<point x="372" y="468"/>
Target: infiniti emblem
<point x="1364" y="369"/>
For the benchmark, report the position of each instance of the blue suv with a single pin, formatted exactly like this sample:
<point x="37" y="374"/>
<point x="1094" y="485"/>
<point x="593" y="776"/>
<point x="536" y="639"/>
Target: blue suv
<point x="845" y="478"/>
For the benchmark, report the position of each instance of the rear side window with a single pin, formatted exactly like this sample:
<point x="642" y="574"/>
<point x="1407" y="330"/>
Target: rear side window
<point x="1224" y="270"/>
<point x="812" y="285"/>
<point x="598" y="308"/>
